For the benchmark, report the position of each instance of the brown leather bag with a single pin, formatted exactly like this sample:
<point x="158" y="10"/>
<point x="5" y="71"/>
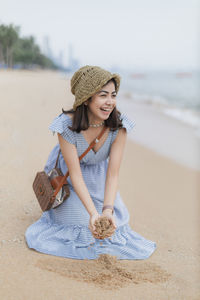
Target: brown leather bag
<point x="52" y="189"/>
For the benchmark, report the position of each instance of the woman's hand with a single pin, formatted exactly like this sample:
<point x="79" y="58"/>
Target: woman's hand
<point x="108" y="213"/>
<point x="92" y="228"/>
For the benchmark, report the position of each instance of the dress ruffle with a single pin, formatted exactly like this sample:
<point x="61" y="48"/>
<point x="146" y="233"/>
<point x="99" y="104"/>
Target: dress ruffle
<point x="60" y="124"/>
<point x="77" y="242"/>
<point x="127" y="123"/>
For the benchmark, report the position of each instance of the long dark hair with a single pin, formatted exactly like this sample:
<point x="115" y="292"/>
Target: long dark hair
<point x="81" y="121"/>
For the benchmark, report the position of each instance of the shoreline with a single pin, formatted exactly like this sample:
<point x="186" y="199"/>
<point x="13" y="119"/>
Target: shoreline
<point x="163" y="134"/>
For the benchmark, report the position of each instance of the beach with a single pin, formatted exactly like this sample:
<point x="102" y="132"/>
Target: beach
<point x="159" y="183"/>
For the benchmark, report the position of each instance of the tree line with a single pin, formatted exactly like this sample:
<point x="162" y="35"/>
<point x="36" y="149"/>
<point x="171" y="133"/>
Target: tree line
<point x="21" y="52"/>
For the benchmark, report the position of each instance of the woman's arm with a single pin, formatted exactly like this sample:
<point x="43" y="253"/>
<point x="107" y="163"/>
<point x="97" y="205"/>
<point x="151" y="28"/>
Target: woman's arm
<point x="69" y="153"/>
<point x="116" y="154"/>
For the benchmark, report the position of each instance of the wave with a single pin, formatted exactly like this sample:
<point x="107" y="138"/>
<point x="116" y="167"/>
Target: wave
<point x="186" y="115"/>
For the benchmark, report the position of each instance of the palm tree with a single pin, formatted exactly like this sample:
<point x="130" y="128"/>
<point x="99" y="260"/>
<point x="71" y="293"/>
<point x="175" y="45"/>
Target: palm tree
<point x="8" y="37"/>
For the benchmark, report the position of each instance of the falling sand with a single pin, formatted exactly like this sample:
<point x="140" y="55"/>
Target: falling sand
<point x="107" y="271"/>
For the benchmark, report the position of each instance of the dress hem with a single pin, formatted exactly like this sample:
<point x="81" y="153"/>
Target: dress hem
<point x="124" y="244"/>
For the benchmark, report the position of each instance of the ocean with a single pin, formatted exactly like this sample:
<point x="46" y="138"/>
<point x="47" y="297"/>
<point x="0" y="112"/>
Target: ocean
<point x="174" y="93"/>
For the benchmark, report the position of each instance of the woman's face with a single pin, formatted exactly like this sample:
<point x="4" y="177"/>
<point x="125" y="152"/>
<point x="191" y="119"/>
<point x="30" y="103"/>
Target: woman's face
<point x="102" y="103"/>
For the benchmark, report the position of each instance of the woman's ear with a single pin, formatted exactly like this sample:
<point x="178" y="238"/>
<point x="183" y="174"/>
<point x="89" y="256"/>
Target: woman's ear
<point x="89" y="100"/>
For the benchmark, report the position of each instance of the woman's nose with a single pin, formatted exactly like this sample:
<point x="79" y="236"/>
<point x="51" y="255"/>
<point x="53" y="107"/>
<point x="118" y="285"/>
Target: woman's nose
<point x="109" y="100"/>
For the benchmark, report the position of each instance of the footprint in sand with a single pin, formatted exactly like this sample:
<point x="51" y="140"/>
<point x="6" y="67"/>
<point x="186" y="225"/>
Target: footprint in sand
<point x="106" y="271"/>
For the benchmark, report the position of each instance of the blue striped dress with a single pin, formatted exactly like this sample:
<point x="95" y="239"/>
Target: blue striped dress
<point x="64" y="231"/>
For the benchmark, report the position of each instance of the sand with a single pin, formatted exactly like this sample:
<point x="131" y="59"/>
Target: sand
<point x="107" y="272"/>
<point x="103" y="227"/>
<point x="162" y="197"/>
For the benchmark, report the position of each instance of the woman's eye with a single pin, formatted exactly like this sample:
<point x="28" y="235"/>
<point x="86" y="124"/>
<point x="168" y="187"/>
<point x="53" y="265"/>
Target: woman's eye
<point x="105" y="95"/>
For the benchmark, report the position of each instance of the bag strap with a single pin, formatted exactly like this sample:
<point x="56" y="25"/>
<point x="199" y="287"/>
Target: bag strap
<point x="95" y="141"/>
<point x="57" y="159"/>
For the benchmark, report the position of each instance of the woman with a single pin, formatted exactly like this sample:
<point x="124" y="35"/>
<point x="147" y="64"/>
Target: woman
<point x="69" y="230"/>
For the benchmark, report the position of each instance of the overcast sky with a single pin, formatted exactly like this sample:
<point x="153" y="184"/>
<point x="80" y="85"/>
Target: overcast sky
<point x="139" y="34"/>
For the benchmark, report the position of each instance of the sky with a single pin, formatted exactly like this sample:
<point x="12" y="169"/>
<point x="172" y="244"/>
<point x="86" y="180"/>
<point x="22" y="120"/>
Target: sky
<point x="131" y="34"/>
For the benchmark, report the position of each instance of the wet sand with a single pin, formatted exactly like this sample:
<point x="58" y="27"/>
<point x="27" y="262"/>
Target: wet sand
<point x="162" y="197"/>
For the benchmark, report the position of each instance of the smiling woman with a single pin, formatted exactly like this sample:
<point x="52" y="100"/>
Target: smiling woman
<point x="69" y="230"/>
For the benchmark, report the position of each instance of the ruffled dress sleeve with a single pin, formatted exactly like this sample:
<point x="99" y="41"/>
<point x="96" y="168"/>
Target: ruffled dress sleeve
<point x="61" y="125"/>
<point x="126" y="123"/>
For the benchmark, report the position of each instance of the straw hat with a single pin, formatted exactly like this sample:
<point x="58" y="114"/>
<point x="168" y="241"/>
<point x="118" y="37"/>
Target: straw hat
<point x="88" y="80"/>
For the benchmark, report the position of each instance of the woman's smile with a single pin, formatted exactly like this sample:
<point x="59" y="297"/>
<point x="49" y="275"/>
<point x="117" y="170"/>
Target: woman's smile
<point x="106" y="111"/>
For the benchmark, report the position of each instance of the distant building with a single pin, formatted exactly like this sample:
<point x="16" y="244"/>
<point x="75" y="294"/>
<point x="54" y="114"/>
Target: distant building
<point x="73" y="64"/>
<point x="46" y="48"/>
